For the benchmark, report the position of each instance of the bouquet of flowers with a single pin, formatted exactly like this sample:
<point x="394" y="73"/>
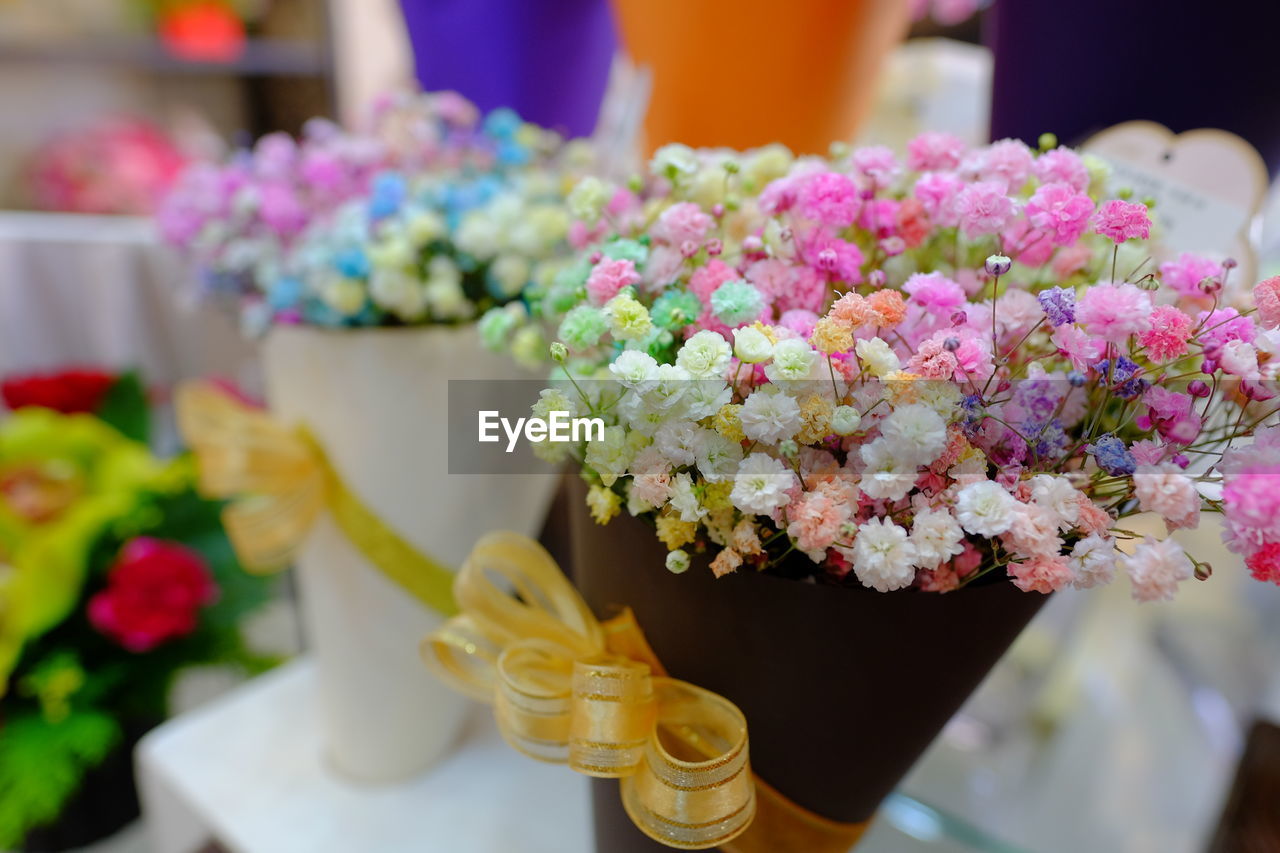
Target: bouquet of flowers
<point x="115" y="165"/>
<point x="114" y="576"/>
<point x="918" y="373"/>
<point x="433" y="216"/>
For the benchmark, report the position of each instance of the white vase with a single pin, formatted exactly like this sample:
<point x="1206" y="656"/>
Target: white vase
<point x="376" y="401"/>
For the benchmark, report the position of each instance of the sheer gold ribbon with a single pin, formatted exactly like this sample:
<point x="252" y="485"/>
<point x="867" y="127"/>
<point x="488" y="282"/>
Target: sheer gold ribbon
<point x="279" y="480"/>
<point x="568" y="689"/>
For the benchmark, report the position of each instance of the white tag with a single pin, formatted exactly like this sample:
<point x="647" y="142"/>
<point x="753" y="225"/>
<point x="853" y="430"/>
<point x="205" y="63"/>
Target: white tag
<point x="1208" y="186"/>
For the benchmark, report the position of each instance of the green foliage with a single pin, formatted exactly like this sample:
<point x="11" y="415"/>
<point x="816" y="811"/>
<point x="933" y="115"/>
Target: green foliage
<point x="125" y="407"/>
<point x="42" y="763"/>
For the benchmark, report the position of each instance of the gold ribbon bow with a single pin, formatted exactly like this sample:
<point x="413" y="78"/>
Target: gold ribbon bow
<point x="279" y="480"/>
<point x="568" y="689"/>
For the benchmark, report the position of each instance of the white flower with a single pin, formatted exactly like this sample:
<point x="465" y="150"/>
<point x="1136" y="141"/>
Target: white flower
<point x="588" y="198"/>
<point x="793" y="359"/>
<point x="479" y="235"/>
<point x="937" y="538"/>
<point x="751" y="345"/>
<point x="985" y="508"/>
<point x="424" y="226"/>
<point x="1058" y="496"/>
<point x="883" y="557"/>
<point x="344" y="295"/>
<point x="610" y="456"/>
<point x="634" y="369"/>
<point x="1240" y="359"/>
<point x="770" y="416"/>
<point x="673" y="160"/>
<point x="888" y="475"/>
<point x="398" y="292"/>
<point x="683" y="499"/>
<point x="705" y="397"/>
<point x="677" y="441"/>
<point x="716" y="455"/>
<point x="510" y="273"/>
<point x="916" y="431"/>
<point x="705" y="355"/>
<point x="760" y="485"/>
<point x="877" y="357"/>
<point x="677" y="562"/>
<point x="845" y="420"/>
<point x="1093" y="561"/>
<point x="1156" y="568"/>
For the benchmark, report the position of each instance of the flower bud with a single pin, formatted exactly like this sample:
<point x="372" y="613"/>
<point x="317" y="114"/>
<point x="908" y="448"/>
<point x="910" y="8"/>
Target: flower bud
<point x="678" y="562"/>
<point x="876" y="279"/>
<point x="998" y="265"/>
<point x="1199" y="389"/>
<point x="559" y="352"/>
<point x="845" y="420"/>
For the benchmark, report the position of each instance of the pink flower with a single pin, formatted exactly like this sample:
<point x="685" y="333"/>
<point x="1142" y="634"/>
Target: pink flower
<point x="706" y="279"/>
<point x="1113" y="312"/>
<point x="932" y="360"/>
<point x="932" y="151"/>
<point x="1252" y="496"/>
<point x="1043" y="574"/>
<point x="1076" y="346"/>
<point x="1221" y="327"/>
<point x="1062" y="165"/>
<point x="1264" y="564"/>
<point x="1027" y="245"/>
<point x="662" y="268"/>
<point x="878" y="163"/>
<point x="1122" y="220"/>
<point x="805" y="290"/>
<point x="1185" y="274"/>
<point x="983" y="208"/>
<point x="1008" y="163"/>
<point x="816" y="518"/>
<point x="830" y="199"/>
<point x="836" y="259"/>
<point x="683" y="223"/>
<point x="1167" y="338"/>
<point x="1060" y="210"/>
<point x="1166" y="491"/>
<point x="1071" y="260"/>
<point x="938" y="192"/>
<point x="608" y="278"/>
<point x="935" y="292"/>
<point x="1266" y="295"/>
<point x="1156" y="568"/>
<point x="1034" y="532"/>
<point x="799" y="321"/>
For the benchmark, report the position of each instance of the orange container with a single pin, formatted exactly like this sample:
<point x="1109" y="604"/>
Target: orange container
<point x="743" y="73"/>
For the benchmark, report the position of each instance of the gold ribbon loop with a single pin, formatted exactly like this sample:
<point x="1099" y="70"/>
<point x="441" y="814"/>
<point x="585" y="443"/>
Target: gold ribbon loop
<point x="279" y="481"/>
<point x="563" y="693"/>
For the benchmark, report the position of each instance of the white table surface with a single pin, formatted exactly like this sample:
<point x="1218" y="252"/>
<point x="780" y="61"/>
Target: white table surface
<point x="248" y="771"/>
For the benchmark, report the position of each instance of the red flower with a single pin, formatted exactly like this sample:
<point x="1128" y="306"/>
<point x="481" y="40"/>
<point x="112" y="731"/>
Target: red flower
<point x="154" y="594"/>
<point x="1264" y="565"/>
<point x="69" y="392"/>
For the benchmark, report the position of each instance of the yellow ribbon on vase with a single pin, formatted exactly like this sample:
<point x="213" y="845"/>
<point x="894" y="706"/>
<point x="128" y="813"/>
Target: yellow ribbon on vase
<point x="569" y="689"/>
<point x="279" y="480"/>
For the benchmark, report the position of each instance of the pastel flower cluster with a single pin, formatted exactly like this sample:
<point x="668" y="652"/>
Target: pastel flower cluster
<point x="914" y="372"/>
<point x="433" y="215"/>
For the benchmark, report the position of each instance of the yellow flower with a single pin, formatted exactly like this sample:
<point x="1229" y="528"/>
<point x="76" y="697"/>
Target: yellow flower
<point x="830" y="337"/>
<point x="715" y="496"/>
<point x="604" y="504"/>
<point x="815" y="414"/>
<point x="728" y="422"/>
<point x="901" y="388"/>
<point x="674" y="532"/>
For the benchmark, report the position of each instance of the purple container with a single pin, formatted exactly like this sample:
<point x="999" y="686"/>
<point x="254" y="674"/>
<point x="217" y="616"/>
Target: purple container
<point x="1074" y="68"/>
<point x="546" y="59"/>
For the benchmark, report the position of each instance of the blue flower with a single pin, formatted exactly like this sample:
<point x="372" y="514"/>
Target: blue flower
<point x="352" y="262"/>
<point x="502" y="123"/>
<point x="285" y="293"/>
<point x="387" y="194"/>
<point x="513" y="154"/>
<point x="1112" y="456"/>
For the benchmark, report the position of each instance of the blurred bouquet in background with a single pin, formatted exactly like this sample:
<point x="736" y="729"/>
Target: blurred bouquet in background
<point x="433" y="215"/>
<point x="114" y="576"/>
<point x="917" y="371"/>
<point x="115" y="165"/>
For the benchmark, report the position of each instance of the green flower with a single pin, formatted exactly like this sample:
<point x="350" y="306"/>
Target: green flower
<point x="582" y="328"/>
<point x="676" y="309"/>
<point x="622" y="249"/>
<point x="498" y="325"/>
<point x="736" y="302"/>
<point x="628" y="318"/>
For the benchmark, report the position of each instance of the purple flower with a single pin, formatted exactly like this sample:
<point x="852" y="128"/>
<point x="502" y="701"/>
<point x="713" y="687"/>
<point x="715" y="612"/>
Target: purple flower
<point x="1059" y="304"/>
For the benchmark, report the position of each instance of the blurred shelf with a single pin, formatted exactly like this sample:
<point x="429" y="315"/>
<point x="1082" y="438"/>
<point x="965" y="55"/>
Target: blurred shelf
<point x="261" y="57"/>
